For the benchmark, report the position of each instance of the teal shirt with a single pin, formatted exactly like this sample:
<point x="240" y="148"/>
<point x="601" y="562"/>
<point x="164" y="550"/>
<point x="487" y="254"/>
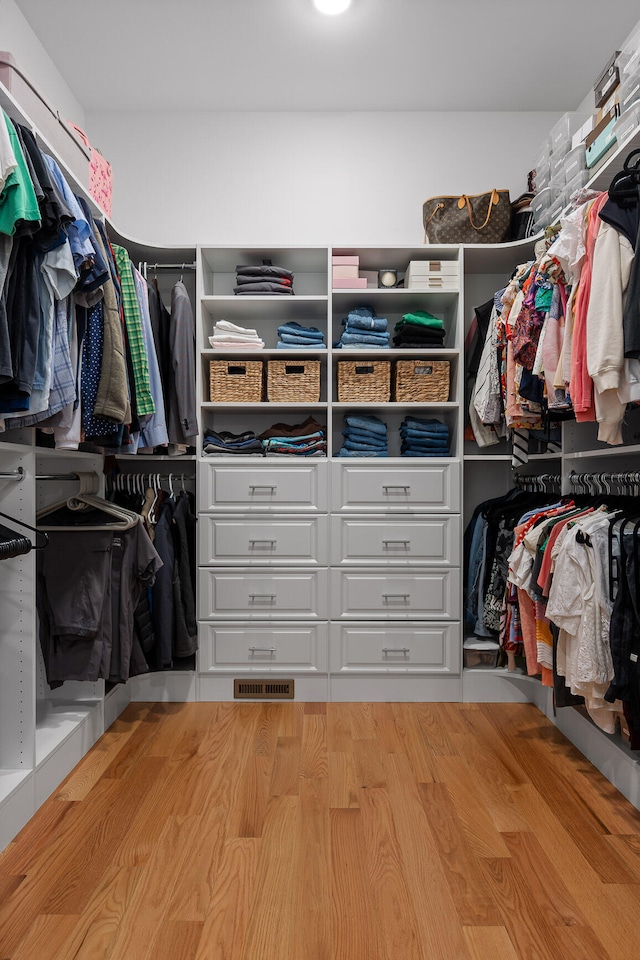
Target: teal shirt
<point x="18" y="199"/>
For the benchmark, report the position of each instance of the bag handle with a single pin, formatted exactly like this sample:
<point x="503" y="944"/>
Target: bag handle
<point x="495" y="200"/>
<point x="438" y="206"/>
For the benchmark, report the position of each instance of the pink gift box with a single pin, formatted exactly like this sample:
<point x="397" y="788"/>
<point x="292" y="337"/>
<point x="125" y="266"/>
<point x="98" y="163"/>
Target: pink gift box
<point x="353" y="283"/>
<point x="346" y="261"/>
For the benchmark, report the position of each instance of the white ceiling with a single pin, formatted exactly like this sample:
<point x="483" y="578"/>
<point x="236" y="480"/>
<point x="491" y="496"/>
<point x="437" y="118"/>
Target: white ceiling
<point x="283" y="55"/>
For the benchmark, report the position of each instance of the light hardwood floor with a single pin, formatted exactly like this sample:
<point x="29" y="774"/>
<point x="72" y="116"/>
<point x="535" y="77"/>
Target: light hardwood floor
<point x="293" y="831"/>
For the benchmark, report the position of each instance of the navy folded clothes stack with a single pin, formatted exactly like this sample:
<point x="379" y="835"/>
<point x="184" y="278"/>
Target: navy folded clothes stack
<point x="364" y="436"/>
<point x="424" y="438"/>
<point x="419" y="330"/>
<point x="306" y="439"/>
<point x="293" y="336"/>
<point x="263" y="280"/>
<point x="226" y="444"/>
<point x="363" y="329"/>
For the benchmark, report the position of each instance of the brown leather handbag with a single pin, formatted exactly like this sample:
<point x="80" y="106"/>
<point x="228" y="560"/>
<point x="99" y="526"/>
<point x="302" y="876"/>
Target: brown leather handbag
<point x="483" y="218"/>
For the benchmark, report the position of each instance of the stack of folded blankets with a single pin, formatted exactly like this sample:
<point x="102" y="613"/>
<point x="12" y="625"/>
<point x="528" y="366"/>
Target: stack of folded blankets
<point x="307" y="439"/>
<point x="227" y="335"/>
<point x="363" y="329"/>
<point x="424" y="438"/>
<point x="263" y="280"/>
<point x="365" y="436"/>
<point x="419" y="330"/>
<point x="225" y="444"/>
<point x="293" y="336"/>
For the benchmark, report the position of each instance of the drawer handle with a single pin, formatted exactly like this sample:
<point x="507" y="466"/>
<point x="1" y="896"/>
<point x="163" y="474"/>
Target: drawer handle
<point x="270" y="543"/>
<point x="262" y="649"/>
<point x="262" y="487"/>
<point x="389" y="650"/>
<point x="393" y="488"/>
<point x="266" y="597"/>
<point x="396" y="543"/>
<point x="398" y="597"/>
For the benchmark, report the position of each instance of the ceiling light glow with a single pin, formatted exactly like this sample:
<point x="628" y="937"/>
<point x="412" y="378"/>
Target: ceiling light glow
<point x="332" y="6"/>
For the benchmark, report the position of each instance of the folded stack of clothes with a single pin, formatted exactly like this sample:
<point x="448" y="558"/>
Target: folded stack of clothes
<point x="307" y="439"/>
<point x="365" y="436"/>
<point x="263" y="280"/>
<point x="294" y="336"/>
<point x="424" y="438"/>
<point x="419" y="330"/>
<point x="225" y="444"/>
<point x="363" y="329"/>
<point x="227" y="335"/>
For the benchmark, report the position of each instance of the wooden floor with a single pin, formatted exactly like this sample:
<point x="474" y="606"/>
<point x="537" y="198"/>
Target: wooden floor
<point x="327" y="832"/>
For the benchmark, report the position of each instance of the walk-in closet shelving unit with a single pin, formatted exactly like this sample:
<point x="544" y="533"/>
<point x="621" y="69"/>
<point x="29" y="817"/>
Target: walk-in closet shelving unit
<point x="44" y="733"/>
<point x="342" y="574"/>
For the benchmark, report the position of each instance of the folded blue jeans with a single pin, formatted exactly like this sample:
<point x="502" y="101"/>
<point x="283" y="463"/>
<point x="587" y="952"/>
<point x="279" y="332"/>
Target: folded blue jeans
<point x="365" y="436"/>
<point x="356" y="322"/>
<point x="294" y="338"/>
<point x="307" y="345"/>
<point x="366" y="422"/>
<point x="359" y="453"/>
<point x="433" y="426"/>
<point x="298" y="330"/>
<point x="367" y="338"/>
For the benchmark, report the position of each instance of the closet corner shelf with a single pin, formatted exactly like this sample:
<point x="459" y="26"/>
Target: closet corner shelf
<point x="609" y="451"/>
<point x="265" y="406"/>
<point x="490" y="457"/>
<point x="10" y="781"/>
<point x="155" y="458"/>
<point x="545" y="456"/>
<point x="57" y="720"/>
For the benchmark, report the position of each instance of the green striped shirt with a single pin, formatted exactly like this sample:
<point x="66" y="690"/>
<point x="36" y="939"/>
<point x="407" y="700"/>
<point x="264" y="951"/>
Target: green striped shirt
<point x="135" y="336"/>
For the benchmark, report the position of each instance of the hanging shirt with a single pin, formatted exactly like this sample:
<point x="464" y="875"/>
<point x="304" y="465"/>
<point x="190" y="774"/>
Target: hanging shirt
<point x="19" y="210"/>
<point x="135" y="336"/>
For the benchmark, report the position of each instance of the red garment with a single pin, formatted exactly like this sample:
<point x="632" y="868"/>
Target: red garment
<point x="581" y="384"/>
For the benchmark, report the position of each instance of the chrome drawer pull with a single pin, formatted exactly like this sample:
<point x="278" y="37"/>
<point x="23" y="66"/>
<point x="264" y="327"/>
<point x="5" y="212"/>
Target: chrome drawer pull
<point x="262" y="486"/>
<point x="262" y="649"/>
<point x="271" y="543"/>
<point x="402" y="597"/>
<point x="392" y="488"/>
<point x="396" y="543"/>
<point x="267" y="597"/>
<point x="388" y="650"/>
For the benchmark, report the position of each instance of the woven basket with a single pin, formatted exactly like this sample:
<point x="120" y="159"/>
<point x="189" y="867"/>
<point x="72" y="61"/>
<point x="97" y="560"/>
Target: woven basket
<point x="236" y="381"/>
<point x="421" y="381"/>
<point x="363" y="381"/>
<point x="293" y="381"/>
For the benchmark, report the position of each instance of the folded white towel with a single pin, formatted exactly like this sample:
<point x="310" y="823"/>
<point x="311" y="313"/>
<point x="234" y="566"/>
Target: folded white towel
<point x="233" y="328"/>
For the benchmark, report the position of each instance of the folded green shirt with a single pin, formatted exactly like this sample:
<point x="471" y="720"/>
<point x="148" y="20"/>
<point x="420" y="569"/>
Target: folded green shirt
<point x="422" y="318"/>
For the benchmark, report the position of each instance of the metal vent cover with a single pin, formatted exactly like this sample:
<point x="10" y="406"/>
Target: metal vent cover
<point x="263" y="689"/>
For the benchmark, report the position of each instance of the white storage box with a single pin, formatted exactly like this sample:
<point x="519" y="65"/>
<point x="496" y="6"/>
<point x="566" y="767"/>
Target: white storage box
<point x="576" y="183"/>
<point x="543" y="174"/>
<point x="628" y="122"/>
<point x="630" y="90"/>
<point x="574" y="162"/>
<point x="561" y="133"/>
<point x="432" y="275"/>
<point x="556" y="167"/>
<point x="553" y="216"/>
<point x="480" y="654"/>
<point x="541" y="203"/>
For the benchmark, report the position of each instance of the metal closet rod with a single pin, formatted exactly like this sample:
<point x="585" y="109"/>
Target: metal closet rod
<point x="57" y="476"/>
<point x="17" y="474"/>
<point x="146" y="265"/>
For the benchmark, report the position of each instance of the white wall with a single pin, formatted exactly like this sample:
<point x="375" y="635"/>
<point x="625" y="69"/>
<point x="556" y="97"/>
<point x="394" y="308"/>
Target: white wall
<point x="17" y="38"/>
<point x="304" y="178"/>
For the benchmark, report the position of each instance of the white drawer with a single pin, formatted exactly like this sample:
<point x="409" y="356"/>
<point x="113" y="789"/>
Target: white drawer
<point x="427" y="594"/>
<point x="262" y="596"/>
<point x="395" y="648"/>
<point x="268" y="540"/>
<point x="256" y="486"/>
<point x="421" y="541"/>
<point x="263" y="649"/>
<point x="411" y="488"/>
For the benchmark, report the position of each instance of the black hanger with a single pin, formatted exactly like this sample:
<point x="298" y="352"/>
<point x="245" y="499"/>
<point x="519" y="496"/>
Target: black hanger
<point x="625" y="186"/>
<point x="18" y="545"/>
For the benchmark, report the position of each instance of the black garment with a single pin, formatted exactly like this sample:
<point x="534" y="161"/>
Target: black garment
<point x="21" y="294"/>
<point x="183" y="530"/>
<point x="624" y="636"/>
<point x="264" y="270"/>
<point x="96" y="272"/>
<point x="624" y="216"/>
<point x="54" y="216"/>
<point x="263" y="288"/>
<point x="161" y="327"/>
<point x="162" y="594"/>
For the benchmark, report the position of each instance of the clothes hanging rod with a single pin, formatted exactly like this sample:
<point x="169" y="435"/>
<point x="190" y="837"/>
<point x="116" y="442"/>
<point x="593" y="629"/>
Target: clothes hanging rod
<point x="190" y="265"/>
<point x="17" y="474"/>
<point x="57" y="476"/>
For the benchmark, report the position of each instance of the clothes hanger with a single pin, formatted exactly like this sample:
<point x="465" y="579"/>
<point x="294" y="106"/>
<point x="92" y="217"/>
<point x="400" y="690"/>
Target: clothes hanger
<point x="19" y="545"/>
<point x="115" y="516"/>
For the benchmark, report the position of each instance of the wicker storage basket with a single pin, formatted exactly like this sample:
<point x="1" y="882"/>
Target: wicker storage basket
<point x="421" y="381"/>
<point x="293" y="381"/>
<point x="236" y="381"/>
<point x="363" y="381"/>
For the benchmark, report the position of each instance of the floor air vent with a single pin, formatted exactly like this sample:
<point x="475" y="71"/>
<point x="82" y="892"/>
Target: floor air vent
<point x="263" y="690"/>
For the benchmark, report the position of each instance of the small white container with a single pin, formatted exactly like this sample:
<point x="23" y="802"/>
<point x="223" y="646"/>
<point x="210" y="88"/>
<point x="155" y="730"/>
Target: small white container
<point x="556" y="167"/>
<point x="561" y="133"/>
<point x="542" y="202"/>
<point x="630" y="90"/>
<point x="627" y="122"/>
<point x="555" y="211"/>
<point x="576" y="183"/>
<point x="574" y="162"/>
<point x="480" y="654"/>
